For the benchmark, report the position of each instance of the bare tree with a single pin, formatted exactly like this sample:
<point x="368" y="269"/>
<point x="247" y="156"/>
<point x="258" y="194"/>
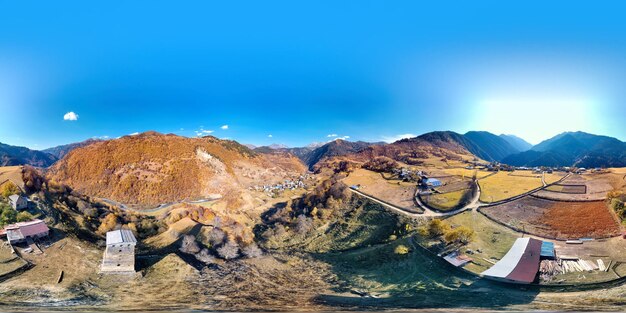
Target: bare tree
<point x="205" y="257"/>
<point x="303" y="224"/>
<point x="189" y="245"/>
<point x="252" y="251"/>
<point x="230" y="250"/>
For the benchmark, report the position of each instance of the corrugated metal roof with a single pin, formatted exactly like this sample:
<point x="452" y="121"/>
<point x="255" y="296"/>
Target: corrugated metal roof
<point x="520" y="264"/>
<point x="22" y="230"/>
<point x="120" y="236"/>
<point x="547" y="249"/>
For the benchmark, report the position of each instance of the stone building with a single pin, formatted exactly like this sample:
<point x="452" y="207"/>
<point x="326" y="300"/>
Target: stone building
<point x="119" y="255"/>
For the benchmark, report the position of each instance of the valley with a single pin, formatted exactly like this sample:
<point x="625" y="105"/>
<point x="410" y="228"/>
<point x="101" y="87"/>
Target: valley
<point x="360" y="226"/>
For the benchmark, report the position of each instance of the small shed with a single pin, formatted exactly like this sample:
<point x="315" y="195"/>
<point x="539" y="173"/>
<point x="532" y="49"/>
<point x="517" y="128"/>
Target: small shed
<point x="547" y="250"/>
<point x="18" y="202"/>
<point x="432" y="182"/>
<point x="119" y="255"/>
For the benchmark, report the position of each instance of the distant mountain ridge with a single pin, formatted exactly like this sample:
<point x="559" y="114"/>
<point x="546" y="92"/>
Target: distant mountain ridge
<point x="517" y="142"/>
<point x="316" y="152"/>
<point x="60" y="151"/>
<point x="573" y="149"/>
<point x="14" y="155"/>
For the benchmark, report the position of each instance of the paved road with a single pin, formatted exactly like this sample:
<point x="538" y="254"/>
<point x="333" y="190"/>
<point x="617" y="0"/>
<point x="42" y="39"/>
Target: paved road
<point x="427" y="211"/>
<point x="472" y="205"/>
<point x="156" y="209"/>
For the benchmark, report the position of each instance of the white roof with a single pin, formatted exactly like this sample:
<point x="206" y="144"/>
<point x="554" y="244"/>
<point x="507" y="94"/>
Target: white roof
<point x="507" y="264"/>
<point x="120" y="236"/>
<point x="14" y="197"/>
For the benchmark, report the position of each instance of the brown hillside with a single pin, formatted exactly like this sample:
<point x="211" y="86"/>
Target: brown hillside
<point x="153" y="168"/>
<point x="412" y="151"/>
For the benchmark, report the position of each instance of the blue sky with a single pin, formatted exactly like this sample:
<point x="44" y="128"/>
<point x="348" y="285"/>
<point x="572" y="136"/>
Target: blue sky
<point x="303" y="70"/>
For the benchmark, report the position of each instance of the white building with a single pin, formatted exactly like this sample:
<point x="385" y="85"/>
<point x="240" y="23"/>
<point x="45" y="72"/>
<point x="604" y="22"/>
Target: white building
<point x="18" y="202"/>
<point x="119" y="255"/>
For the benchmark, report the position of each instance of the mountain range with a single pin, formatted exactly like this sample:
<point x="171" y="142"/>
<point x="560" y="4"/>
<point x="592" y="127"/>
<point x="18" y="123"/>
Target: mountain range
<point x="566" y="149"/>
<point x="13" y="155"/>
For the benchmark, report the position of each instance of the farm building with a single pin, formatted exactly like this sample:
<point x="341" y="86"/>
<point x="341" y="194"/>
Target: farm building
<point x="25" y="231"/>
<point x="547" y="250"/>
<point x="431" y="182"/>
<point x="119" y="255"/>
<point x="520" y="265"/>
<point x="18" y="202"/>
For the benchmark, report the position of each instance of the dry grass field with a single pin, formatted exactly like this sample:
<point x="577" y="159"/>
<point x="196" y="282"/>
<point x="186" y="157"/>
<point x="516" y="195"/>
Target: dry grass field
<point x="445" y="201"/>
<point x="491" y="239"/>
<point x="466" y="173"/>
<point x="13" y="174"/>
<point x="504" y="185"/>
<point x="557" y="219"/>
<point x="595" y="187"/>
<point x="392" y="191"/>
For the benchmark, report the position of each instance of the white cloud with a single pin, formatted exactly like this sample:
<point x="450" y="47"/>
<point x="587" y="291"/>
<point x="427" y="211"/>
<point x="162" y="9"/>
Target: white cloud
<point x="395" y="138"/>
<point x="203" y="132"/>
<point x="101" y="137"/>
<point x="134" y="134"/>
<point x="269" y="136"/>
<point x="337" y="137"/>
<point x="70" y="116"/>
<point x="224" y="127"/>
<point x="331" y="135"/>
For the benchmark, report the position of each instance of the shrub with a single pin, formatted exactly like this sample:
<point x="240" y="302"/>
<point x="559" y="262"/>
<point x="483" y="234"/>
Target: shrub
<point x="8" y="189"/>
<point x="7" y="215"/>
<point x="24" y="217"/>
<point x="107" y="224"/>
<point x="216" y="237"/>
<point x="252" y="251"/>
<point x="460" y="234"/>
<point x="437" y="227"/>
<point x="401" y="250"/>
<point x="205" y="257"/>
<point x="189" y="245"/>
<point x="303" y="224"/>
<point x="230" y="250"/>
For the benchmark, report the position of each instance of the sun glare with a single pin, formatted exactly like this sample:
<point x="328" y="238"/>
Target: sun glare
<point x="535" y="119"/>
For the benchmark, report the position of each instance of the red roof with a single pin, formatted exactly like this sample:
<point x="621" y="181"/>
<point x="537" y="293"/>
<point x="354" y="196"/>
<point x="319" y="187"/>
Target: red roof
<point x="27" y="229"/>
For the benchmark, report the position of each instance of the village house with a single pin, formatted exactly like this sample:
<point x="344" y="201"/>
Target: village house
<point x="25" y="231"/>
<point x="119" y="255"/>
<point x="18" y="202"/>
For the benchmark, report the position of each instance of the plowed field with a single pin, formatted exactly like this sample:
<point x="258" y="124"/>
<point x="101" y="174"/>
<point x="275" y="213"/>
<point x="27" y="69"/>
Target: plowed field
<point x="556" y="219"/>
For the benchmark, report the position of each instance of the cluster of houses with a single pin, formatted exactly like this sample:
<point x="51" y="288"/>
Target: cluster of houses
<point x="407" y="174"/>
<point x="287" y="184"/>
<point x="119" y="254"/>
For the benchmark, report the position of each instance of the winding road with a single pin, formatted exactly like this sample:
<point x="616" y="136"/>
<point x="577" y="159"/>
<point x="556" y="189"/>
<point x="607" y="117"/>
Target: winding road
<point x="472" y="205"/>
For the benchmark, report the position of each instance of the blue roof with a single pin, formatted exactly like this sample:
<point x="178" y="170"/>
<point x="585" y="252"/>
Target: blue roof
<point x="433" y="181"/>
<point x="547" y="249"/>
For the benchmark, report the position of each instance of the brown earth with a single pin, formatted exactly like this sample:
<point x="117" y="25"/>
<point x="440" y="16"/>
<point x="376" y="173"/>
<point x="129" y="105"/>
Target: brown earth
<point x="557" y="219"/>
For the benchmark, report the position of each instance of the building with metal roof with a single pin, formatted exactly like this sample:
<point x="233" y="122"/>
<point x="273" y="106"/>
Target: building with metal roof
<point x="18" y="202"/>
<point x="547" y="250"/>
<point x="432" y="182"/>
<point x="24" y="231"/>
<point x="119" y="255"/>
<point x="519" y="265"/>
